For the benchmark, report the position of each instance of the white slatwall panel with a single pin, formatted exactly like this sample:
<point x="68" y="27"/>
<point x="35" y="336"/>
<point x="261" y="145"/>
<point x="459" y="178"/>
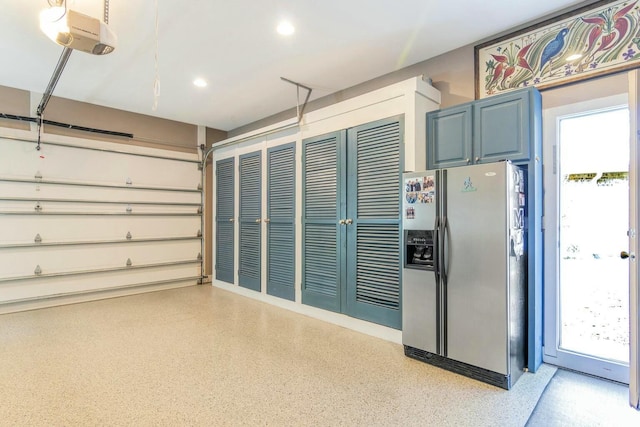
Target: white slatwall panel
<point x="53" y="191"/>
<point x="42" y="288"/>
<point x="61" y="259"/>
<point x="23" y="229"/>
<point x="94" y="166"/>
<point x="88" y="202"/>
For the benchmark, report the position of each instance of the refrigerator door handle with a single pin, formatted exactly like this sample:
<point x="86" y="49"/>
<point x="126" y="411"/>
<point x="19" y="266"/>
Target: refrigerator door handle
<point x="436" y="248"/>
<point x="446" y="245"/>
<point x="442" y="250"/>
<point x="444" y="284"/>
<point x="444" y="255"/>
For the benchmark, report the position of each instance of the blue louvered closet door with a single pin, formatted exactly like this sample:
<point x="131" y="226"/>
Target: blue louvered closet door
<point x="373" y="216"/>
<point x="323" y="206"/>
<point x="250" y="220"/>
<point x="281" y="204"/>
<point x="351" y="221"/>
<point x="225" y="244"/>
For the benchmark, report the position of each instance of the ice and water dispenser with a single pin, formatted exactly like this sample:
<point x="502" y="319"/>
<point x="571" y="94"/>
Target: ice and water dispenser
<point x="419" y="249"/>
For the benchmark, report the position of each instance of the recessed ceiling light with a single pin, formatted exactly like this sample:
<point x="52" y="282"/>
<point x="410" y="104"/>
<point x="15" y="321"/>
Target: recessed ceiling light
<point x="285" y="28"/>
<point x="200" y="82"/>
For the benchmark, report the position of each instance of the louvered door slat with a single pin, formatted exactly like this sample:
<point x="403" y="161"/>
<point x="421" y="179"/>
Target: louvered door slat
<point x="281" y="226"/>
<point x="378" y="261"/>
<point x="250" y="216"/>
<point x="322" y="265"/>
<point x="378" y="171"/>
<point x="373" y="285"/>
<point x="225" y="205"/>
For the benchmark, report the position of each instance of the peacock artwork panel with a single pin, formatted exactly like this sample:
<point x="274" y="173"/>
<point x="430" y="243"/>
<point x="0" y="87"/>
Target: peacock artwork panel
<point x="599" y="39"/>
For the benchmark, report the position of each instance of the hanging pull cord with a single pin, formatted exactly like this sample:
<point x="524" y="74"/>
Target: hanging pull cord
<point x="39" y="131"/>
<point x="106" y="11"/>
<point x="156" y="81"/>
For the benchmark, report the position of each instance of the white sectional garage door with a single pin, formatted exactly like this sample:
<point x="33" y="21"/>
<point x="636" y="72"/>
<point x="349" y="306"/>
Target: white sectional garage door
<point x="96" y="217"/>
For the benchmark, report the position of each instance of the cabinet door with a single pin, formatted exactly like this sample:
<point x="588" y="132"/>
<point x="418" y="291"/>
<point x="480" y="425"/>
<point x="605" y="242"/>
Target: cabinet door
<point x="449" y="137"/>
<point x="250" y="220"/>
<point x="501" y="127"/>
<point x="281" y="208"/>
<point x="323" y="206"/>
<point x="225" y="244"/>
<point x="373" y="222"/>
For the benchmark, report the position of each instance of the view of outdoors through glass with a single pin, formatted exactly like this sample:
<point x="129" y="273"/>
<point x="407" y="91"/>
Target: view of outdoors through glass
<point x="594" y="210"/>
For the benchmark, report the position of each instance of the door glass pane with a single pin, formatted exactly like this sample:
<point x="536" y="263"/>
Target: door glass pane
<point x="594" y="210"/>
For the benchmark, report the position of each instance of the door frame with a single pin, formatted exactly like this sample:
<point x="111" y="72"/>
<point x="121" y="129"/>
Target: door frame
<point x="551" y="352"/>
<point x="634" y="250"/>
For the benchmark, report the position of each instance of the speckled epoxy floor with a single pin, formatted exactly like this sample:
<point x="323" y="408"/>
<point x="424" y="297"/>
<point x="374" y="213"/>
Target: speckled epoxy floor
<point x="575" y="400"/>
<point x="204" y="356"/>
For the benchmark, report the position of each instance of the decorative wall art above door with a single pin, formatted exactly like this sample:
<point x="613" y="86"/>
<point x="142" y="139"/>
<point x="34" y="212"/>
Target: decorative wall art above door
<point x="598" y="39"/>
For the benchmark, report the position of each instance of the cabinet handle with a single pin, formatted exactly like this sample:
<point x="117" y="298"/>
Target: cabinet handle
<point x="477" y="159"/>
<point x="258" y="221"/>
<point x="468" y="161"/>
<point x="267" y="220"/>
<point x="230" y="219"/>
<point x="349" y="221"/>
<point x="342" y="222"/>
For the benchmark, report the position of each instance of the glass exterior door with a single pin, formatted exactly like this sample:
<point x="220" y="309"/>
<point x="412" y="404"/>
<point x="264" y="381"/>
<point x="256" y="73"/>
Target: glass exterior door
<point x="587" y="222"/>
<point x="594" y="210"/>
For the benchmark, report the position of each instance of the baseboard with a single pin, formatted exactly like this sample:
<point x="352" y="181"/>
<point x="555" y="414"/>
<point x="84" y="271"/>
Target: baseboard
<point x="368" y="328"/>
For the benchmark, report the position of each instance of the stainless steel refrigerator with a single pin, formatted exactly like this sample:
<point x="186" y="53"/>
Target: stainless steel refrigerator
<point x="464" y="270"/>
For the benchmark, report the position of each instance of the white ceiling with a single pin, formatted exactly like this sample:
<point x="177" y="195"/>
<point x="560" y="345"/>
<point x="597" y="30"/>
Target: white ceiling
<point x="234" y="46"/>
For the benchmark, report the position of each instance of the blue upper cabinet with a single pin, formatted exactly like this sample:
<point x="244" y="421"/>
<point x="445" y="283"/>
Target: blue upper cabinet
<point x="488" y="130"/>
<point x="501" y="127"/>
<point x="449" y="137"/>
